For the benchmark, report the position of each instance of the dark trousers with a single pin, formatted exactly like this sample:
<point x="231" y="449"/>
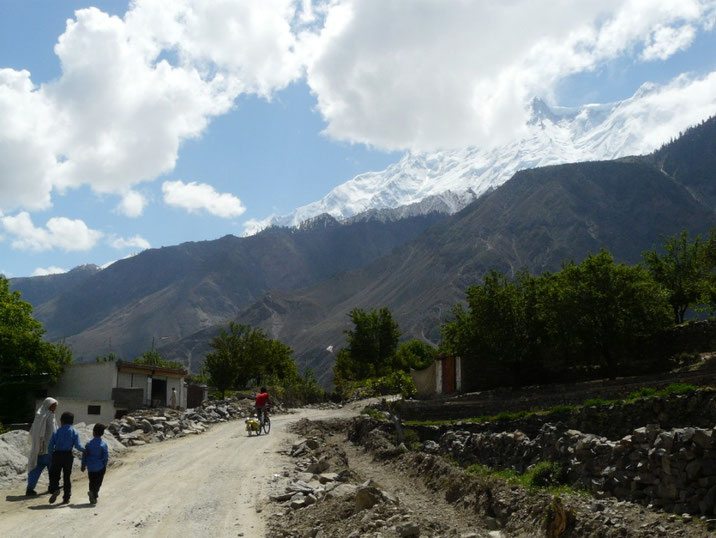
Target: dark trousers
<point x="95" y="480"/>
<point x="61" y="463"/>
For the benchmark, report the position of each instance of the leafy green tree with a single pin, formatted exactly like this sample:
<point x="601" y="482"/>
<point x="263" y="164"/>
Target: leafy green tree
<point x="245" y="354"/>
<point x="24" y="356"/>
<point x="684" y="268"/>
<point x="609" y="310"/>
<point x="154" y="358"/>
<point x="221" y="366"/>
<point x="499" y="333"/>
<point x="414" y="354"/>
<point x="371" y="346"/>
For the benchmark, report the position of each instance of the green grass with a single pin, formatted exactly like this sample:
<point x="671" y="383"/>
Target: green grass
<point x="644" y="392"/>
<point x="546" y="475"/>
<point x="373" y="413"/>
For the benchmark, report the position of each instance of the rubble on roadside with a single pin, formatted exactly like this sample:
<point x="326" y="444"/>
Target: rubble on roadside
<point x="322" y="497"/>
<point x="325" y="493"/>
<point x="155" y="425"/>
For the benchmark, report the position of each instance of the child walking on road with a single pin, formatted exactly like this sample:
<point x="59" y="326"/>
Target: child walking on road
<point x="60" y="448"/>
<point x="94" y="459"/>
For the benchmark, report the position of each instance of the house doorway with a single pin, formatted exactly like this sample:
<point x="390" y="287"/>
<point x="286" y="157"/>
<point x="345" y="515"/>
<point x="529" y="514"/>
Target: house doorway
<point x="159" y="392"/>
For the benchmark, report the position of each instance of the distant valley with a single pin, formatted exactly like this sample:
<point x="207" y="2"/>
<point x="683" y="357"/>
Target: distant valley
<point x="298" y="284"/>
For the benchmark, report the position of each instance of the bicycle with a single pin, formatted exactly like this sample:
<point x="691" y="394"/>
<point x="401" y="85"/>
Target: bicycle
<point x="264" y="421"/>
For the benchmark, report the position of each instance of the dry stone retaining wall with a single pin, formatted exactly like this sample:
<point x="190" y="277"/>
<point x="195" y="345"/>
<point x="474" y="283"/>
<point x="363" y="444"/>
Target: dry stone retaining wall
<point x="674" y="469"/>
<point x="614" y="421"/>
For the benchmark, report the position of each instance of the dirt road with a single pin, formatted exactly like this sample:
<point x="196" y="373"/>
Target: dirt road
<point x="213" y="484"/>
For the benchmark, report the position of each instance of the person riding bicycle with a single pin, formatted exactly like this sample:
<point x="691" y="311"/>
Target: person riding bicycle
<point x="262" y="404"/>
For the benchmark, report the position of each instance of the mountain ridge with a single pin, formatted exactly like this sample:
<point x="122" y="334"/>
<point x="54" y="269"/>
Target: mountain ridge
<point x="454" y="178"/>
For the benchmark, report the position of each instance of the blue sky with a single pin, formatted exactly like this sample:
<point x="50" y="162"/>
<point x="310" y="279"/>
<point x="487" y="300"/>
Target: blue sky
<point x="141" y="125"/>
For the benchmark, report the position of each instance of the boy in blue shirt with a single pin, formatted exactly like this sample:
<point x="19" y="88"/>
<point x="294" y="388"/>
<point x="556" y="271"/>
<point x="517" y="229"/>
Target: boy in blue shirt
<point x="60" y="449"/>
<point x="94" y="459"/>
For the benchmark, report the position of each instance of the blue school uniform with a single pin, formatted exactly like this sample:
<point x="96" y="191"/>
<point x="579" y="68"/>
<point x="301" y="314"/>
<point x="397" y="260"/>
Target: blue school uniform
<point x="64" y="439"/>
<point x="96" y="455"/>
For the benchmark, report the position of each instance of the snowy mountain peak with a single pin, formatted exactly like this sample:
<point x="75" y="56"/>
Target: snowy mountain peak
<point x="447" y="181"/>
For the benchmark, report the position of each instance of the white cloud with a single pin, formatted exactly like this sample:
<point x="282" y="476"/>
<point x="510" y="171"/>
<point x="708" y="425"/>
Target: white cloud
<point x="52" y="270"/>
<point x="395" y="74"/>
<point x="665" y="41"/>
<point x="195" y="197"/>
<point x="426" y="74"/>
<point x="59" y="233"/>
<point x="662" y="112"/>
<point x="132" y="204"/>
<point x="132" y="90"/>
<point x="136" y="241"/>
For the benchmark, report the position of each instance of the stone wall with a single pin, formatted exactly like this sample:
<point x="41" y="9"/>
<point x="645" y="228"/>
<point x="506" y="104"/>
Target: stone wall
<point x="488" y="403"/>
<point x="614" y="421"/>
<point x="674" y="469"/>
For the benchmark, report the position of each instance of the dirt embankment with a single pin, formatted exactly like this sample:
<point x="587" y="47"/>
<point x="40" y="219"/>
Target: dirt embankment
<point x="390" y="492"/>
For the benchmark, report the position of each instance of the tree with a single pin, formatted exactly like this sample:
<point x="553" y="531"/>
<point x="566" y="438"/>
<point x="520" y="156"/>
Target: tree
<point x="245" y="354"/>
<point x="371" y="346"/>
<point x="154" y="358"/>
<point x="499" y="333"/>
<point x="683" y="269"/>
<point x="24" y="356"/>
<point x="609" y="310"/>
<point x="414" y="354"/>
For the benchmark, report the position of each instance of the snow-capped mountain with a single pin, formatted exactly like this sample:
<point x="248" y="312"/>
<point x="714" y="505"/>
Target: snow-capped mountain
<point x="447" y="181"/>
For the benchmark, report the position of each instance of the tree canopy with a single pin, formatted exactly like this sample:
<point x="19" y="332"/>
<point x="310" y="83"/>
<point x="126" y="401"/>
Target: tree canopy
<point x="371" y="346"/>
<point x="244" y="354"/>
<point x="590" y="319"/>
<point x="154" y="358"/>
<point x="24" y="356"/>
<point x="685" y="269"/>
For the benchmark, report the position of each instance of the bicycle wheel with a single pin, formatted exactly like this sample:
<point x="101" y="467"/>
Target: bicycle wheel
<point x="267" y="424"/>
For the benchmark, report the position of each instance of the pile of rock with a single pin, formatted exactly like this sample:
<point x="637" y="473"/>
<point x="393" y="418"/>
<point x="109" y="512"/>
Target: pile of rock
<point x="674" y="469"/>
<point x="155" y="425"/>
<point x="318" y="501"/>
<point x="311" y="480"/>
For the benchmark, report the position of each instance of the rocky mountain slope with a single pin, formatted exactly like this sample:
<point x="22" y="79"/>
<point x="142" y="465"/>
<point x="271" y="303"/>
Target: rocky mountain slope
<point x="536" y="221"/>
<point x="165" y="294"/>
<point x="299" y="284"/>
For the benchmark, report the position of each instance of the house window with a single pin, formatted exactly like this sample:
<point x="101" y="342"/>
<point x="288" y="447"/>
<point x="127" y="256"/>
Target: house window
<point x="94" y="409"/>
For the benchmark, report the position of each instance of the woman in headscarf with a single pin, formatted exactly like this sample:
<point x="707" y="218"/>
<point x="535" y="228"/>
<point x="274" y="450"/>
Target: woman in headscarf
<point x="40" y="433"/>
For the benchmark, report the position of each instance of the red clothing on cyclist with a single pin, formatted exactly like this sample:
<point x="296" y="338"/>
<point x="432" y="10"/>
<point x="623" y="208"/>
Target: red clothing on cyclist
<point x="262" y="399"/>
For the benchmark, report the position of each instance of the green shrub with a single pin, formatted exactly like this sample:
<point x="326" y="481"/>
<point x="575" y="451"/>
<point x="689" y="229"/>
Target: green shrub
<point x="3" y="429"/>
<point x="678" y="388"/>
<point x="546" y="474"/>
<point x="398" y="382"/>
<point x="374" y="413"/>
<point x="411" y="438"/>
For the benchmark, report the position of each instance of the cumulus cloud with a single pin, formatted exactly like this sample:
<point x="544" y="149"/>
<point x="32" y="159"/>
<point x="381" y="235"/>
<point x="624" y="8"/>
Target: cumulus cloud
<point x="132" y="90"/>
<point x="455" y="73"/>
<point x="196" y="197"/>
<point x="59" y="233"/>
<point x="52" y="270"/>
<point x="394" y="74"/>
<point x="136" y="241"/>
<point x="132" y="204"/>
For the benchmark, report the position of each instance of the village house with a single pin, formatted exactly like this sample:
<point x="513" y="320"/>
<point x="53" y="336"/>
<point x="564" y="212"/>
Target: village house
<point x="443" y="376"/>
<point x="102" y="391"/>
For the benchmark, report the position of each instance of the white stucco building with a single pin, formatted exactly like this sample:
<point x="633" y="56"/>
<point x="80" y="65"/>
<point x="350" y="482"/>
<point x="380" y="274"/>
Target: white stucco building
<point x="102" y="391"/>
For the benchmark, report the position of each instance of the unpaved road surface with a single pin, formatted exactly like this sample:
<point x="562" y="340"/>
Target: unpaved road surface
<point x="214" y="484"/>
